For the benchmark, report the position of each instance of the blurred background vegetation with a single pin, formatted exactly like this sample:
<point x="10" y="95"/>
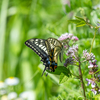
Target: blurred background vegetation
<point x="21" y="20"/>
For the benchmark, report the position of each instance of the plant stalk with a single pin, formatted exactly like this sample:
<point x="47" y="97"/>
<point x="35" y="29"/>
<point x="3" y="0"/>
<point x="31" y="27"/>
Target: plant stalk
<point x="93" y="40"/>
<point x="81" y="78"/>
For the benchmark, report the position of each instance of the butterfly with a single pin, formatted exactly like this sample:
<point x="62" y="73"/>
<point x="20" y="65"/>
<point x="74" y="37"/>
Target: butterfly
<point x="48" y="50"/>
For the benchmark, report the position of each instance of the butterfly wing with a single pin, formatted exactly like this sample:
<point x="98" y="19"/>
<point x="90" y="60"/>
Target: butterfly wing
<point x="58" y="48"/>
<point x="40" y="47"/>
<point x="53" y="61"/>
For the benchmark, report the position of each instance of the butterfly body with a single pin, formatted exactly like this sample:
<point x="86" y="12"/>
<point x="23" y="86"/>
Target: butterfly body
<point x="48" y="50"/>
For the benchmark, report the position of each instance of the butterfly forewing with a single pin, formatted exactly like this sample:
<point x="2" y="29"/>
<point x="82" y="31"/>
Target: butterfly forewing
<point x="38" y="46"/>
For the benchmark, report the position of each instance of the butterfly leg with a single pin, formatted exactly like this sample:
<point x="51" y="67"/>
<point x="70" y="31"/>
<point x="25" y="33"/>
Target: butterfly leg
<point x="43" y="71"/>
<point x="46" y="74"/>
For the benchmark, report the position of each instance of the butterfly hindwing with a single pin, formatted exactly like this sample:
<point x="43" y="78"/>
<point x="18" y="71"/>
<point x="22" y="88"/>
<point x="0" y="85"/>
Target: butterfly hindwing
<point x="53" y="61"/>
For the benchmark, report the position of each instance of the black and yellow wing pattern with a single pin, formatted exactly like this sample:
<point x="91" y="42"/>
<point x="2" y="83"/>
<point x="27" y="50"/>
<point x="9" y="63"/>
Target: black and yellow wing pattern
<point x="47" y="49"/>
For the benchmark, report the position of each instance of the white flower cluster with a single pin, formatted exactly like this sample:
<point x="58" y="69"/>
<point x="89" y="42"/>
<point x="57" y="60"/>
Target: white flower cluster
<point x="88" y="56"/>
<point x="72" y="51"/>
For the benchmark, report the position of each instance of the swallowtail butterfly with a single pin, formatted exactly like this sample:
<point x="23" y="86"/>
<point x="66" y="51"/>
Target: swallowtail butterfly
<point x="48" y="50"/>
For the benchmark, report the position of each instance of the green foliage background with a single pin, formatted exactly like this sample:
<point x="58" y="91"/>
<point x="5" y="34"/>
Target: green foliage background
<point x="21" y="20"/>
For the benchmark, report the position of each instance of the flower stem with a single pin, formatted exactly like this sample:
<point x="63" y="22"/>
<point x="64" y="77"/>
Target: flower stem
<point x="93" y="40"/>
<point x="81" y="78"/>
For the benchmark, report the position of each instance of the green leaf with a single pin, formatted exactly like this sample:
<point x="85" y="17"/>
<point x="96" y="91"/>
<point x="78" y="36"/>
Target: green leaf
<point x="79" y="18"/>
<point x="63" y="78"/>
<point x="82" y="23"/>
<point x="61" y="69"/>
<point x="74" y="21"/>
<point x="78" y="22"/>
